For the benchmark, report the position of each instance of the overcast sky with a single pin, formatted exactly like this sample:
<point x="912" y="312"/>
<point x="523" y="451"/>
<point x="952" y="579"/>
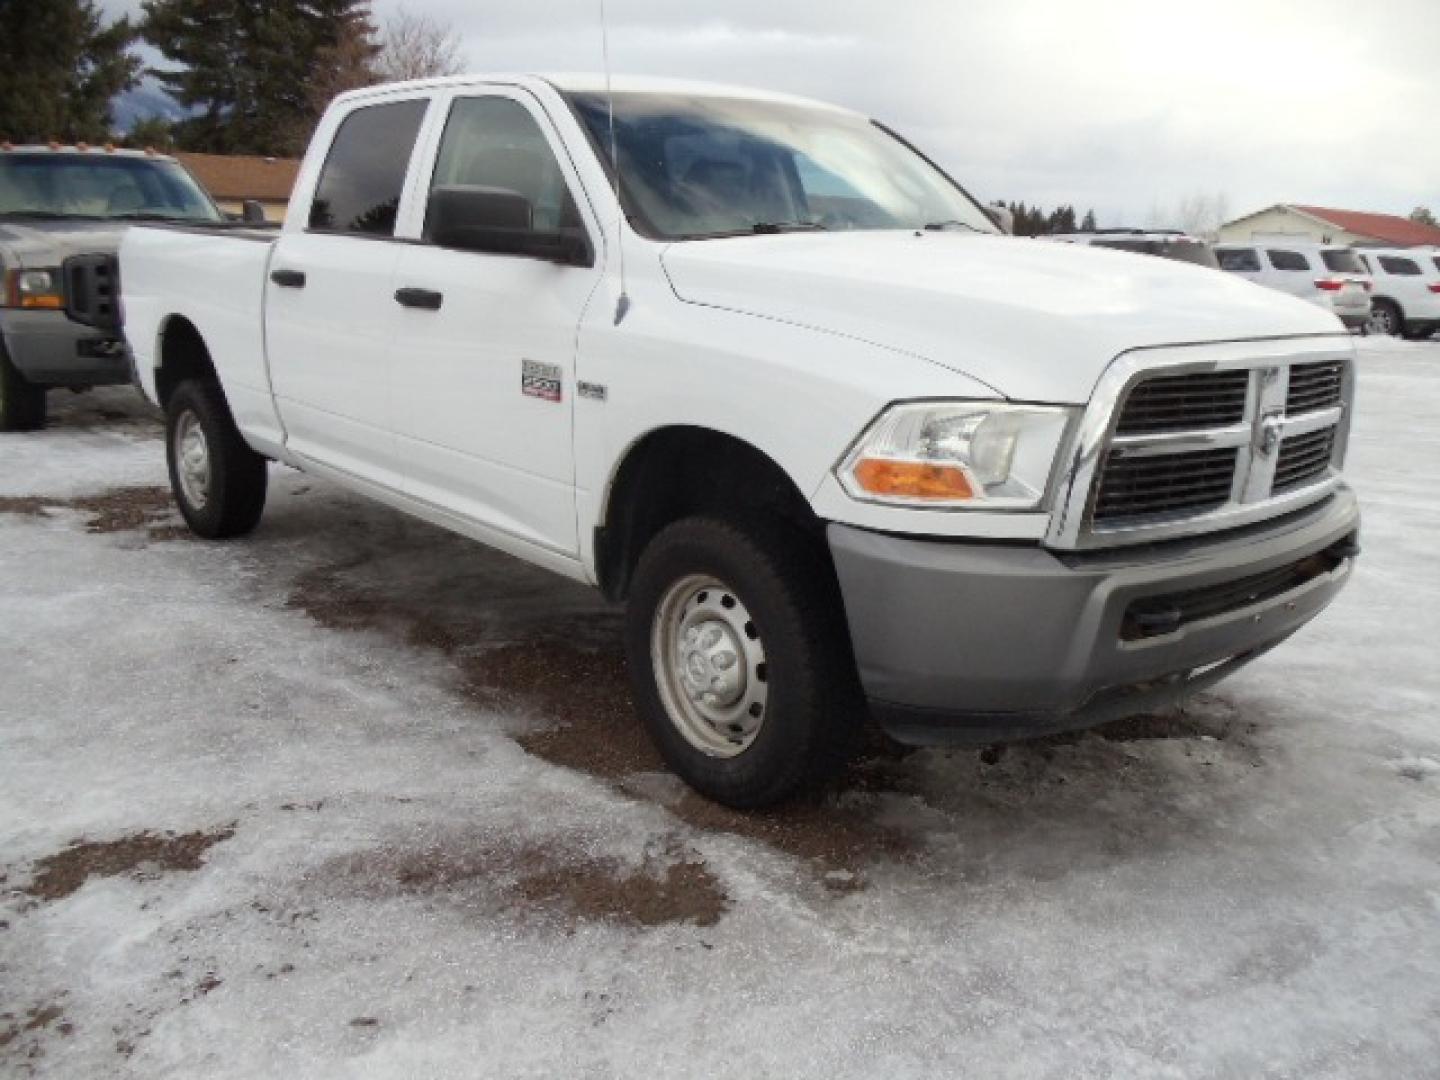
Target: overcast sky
<point x="1122" y="105"/>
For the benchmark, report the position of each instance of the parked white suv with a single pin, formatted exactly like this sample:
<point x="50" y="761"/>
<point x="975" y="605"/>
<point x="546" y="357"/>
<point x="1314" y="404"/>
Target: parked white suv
<point x="833" y="439"/>
<point x="1330" y="276"/>
<point x="1407" y="290"/>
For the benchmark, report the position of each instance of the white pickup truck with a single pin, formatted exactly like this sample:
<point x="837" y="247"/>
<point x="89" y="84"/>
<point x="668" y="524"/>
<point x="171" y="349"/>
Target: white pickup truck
<point x="757" y="367"/>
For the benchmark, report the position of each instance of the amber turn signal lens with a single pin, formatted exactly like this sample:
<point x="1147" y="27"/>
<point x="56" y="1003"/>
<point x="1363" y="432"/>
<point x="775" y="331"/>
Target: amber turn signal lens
<point x="912" y="480"/>
<point x="47" y="301"/>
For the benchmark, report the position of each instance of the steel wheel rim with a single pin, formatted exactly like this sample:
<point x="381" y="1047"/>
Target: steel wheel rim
<point x="192" y="460"/>
<point x="709" y="664"/>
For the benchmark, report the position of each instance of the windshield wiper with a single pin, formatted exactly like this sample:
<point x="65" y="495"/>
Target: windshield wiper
<point x="766" y="228"/>
<point x="47" y="215"/>
<point x="941" y="226"/>
<point x="147" y="215"/>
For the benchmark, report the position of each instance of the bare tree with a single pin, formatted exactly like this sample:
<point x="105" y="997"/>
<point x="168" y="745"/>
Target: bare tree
<point x="416" y="46"/>
<point x="1199" y="214"/>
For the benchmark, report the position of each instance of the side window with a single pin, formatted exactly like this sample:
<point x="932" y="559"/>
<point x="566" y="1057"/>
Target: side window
<point x="1288" y="260"/>
<point x="361" y="183"/>
<point x="1239" y="260"/>
<point x="1437" y="262"/>
<point x="1405" y="267"/>
<point x="494" y="142"/>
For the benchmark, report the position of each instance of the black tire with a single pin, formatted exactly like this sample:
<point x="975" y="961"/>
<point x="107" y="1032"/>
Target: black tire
<point x="814" y="710"/>
<point x="237" y="476"/>
<point x="1385" y="318"/>
<point x="22" y="403"/>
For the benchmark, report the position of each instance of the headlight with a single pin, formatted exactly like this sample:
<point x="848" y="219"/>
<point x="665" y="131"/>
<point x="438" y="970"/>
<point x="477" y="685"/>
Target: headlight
<point x="33" y="289"/>
<point x="957" y="455"/>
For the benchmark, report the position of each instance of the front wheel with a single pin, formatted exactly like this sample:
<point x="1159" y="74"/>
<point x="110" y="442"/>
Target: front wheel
<point x="218" y="481"/>
<point x="22" y="403"/>
<point x="740" y="661"/>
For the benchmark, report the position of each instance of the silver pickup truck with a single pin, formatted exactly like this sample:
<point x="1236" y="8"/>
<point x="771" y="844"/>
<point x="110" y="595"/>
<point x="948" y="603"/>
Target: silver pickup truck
<point x="63" y="211"/>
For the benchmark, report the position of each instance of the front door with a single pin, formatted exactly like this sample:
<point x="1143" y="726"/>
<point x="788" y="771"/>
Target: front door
<point x="484" y="418"/>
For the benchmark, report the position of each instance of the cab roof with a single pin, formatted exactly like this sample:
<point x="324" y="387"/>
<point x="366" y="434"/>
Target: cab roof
<point x="595" y="82"/>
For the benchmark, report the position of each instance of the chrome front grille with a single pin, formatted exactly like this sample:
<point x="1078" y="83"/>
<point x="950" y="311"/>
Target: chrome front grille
<point x="1183" y="402"/>
<point x="1303" y="458"/>
<point x="1219" y="436"/>
<point x="1315" y="386"/>
<point x="1189" y="482"/>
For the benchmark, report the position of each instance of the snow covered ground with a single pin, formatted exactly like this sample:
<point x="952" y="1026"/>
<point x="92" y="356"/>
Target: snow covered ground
<point x="357" y="798"/>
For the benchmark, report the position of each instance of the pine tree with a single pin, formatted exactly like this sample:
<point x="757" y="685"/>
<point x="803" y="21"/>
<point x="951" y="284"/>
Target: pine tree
<point x="1088" y="224"/>
<point x="59" y="67"/>
<point x="247" y="66"/>
<point x="1423" y="215"/>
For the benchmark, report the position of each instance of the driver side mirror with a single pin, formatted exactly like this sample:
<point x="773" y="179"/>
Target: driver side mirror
<point x="499" y="221"/>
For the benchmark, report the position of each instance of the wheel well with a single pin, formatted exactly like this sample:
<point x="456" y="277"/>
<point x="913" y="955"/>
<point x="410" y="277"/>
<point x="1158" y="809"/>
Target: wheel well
<point x="677" y="472"/>
<point x="183" y="355"/>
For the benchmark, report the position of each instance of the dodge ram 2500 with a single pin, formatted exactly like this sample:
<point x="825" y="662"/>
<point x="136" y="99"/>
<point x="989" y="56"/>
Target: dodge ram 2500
<point x="757" y="367"/>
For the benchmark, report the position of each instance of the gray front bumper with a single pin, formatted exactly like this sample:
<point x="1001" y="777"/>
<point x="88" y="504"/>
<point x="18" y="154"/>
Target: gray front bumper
<point x="966" y="642"/>
<point x="49" y="349"/>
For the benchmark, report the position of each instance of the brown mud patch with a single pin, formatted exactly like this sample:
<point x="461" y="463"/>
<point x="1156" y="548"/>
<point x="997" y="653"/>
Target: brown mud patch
<point x="583" y="695"/>
<point x="117" y="510"/>
<point x="546" y="880"/>
<point x="58" y="876"/>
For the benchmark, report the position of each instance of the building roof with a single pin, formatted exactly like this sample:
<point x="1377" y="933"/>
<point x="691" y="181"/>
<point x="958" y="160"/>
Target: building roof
<point x="243" y="177"/>
<point x="1390" y="228"/>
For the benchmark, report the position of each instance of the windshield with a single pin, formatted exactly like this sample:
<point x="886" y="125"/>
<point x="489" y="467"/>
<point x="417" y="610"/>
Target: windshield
<point x="1342" y="262"/>
<point x="693" y="167"/>
<point x="60" y="185"/>
<point x="1191" y="251"/>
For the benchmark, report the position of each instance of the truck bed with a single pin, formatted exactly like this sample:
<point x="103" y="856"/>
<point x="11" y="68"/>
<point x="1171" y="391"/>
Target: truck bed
<point x="214" y="276"/>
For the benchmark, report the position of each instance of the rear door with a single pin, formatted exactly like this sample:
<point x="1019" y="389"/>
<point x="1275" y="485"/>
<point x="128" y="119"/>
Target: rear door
<point x="484" y="419"/>
<point x="329" y="311"/>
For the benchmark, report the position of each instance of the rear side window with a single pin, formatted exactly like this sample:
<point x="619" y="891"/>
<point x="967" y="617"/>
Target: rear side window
<point x="1288" y="260"/>
<point x="1404" y="267"/>
<point x="360" y="185"/>
<point x="494" y="142"/>
<point x="1437" y="262"/>
<point x="1239" y="260"/>
<point x="1342" y="262"/>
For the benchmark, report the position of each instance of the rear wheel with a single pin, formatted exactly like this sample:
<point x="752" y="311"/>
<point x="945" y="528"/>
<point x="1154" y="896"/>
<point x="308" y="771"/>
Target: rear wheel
<point x="740" y="662"/>
<point x="218" y="481"/>
<point x="22" y="403"/>
<point x="1385" y="318"/>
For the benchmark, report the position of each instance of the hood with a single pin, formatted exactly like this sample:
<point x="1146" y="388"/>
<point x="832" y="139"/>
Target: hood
<point x="1035" y="320"/>
<point x="39" y="244"/>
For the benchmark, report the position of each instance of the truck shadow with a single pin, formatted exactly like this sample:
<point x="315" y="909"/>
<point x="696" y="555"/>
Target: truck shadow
<point x="527" y="643"/>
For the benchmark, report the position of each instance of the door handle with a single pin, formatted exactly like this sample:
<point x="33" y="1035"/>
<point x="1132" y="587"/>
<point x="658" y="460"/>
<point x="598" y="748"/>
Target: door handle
<point x="428" y="299"/>
<point x="288" y="279"/>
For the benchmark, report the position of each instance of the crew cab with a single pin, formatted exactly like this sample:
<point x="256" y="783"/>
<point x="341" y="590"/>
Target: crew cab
<point x="756" y="367"/>
<point x="63" y="210"/>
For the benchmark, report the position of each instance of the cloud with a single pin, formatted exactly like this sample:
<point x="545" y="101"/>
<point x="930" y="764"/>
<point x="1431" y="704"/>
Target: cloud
<point x="1120" y="105"/>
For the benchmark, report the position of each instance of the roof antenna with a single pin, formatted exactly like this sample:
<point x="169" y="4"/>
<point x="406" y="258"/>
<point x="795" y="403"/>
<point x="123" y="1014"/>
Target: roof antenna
<point x="622" y="305"/>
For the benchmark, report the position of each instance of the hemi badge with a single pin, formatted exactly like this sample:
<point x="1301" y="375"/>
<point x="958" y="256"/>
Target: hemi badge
<point x="593" y="391"/>
<point x="541" y="381"/>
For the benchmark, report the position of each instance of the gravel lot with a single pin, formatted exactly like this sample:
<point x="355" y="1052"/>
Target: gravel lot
<point x="354" y="797"/>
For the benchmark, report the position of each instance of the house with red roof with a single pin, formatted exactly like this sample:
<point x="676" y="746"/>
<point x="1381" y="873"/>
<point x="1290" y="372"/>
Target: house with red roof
<point x="232" y="179"/>
<point x="1322" y="225"/>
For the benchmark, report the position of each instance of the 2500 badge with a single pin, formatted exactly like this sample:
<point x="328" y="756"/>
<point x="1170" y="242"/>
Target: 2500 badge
<point x="539" y="380"/>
